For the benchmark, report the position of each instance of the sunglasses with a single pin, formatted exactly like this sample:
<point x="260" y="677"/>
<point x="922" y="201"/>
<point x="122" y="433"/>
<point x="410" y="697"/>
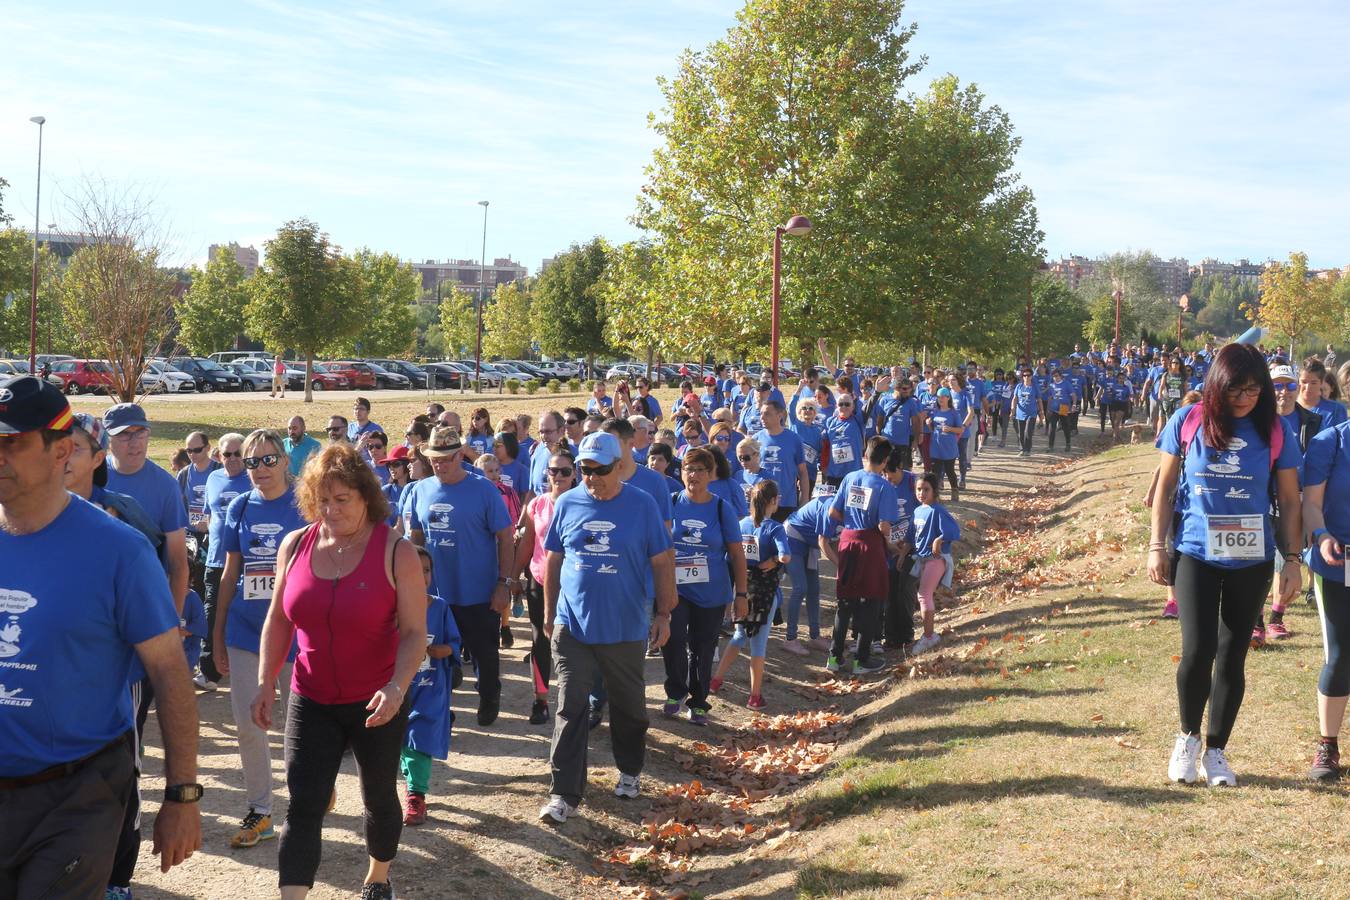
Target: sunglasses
<point x="374" y="447"/>
<point x="270" y="460"/>
<point x="336" y="428"/>
<point x="596" y="471"/>
<point x="746" y="457"/>
<point x="228" y="454"/>
<point x="1286" y="388"/>
<point x="195" y="449"/>
<point x="560" y="471"/>
<point x="723" y="439"/>
<point x="572" y="421"/>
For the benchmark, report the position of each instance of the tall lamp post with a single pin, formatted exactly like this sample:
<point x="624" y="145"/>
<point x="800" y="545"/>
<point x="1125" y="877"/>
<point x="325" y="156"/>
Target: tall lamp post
<point x="1183" y="307"/>
<point x="1118" y="294"/>
<point x="37" y="206"/>
<point x="482" y="284"/>
<point x="797" y="226"/>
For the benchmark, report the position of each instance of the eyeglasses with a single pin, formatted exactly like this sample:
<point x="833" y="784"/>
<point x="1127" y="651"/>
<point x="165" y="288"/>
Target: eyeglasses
<point x="560" y="471"/>
<point x="695" y="470"/>
<point x="231" y="454"/>
<point x="1251" y="390"/>
<point x="132" y="434"/>
<point x="270" y="460"/>
<point x="195" y="449"/>
<point x="572" y="421"/>
<point x="1285" y="387"/>
<point x="375" y="447"/>
<point x="723" y="439"/>
<point x="596" y="471"/>
<point x="337" y="429"/>
<point x="745" y="457"/>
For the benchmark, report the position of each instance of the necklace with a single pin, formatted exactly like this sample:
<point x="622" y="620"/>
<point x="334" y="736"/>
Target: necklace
<point x="341" y="549"/>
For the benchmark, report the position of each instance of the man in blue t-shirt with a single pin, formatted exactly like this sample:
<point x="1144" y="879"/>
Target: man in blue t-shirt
<point x="131" y="472"/>
<point x="783" y="459"/>
<point x="463" y="523"/>
<point x="604" y="543"/>
<point x="68" y="636"/>
<point x="298" y="445"/>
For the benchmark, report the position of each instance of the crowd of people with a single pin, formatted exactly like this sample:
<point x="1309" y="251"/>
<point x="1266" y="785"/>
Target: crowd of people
<point x="346" y="586"/>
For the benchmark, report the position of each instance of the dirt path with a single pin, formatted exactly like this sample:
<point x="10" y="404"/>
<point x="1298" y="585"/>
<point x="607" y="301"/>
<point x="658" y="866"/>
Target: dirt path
<point x="482" y="837"/>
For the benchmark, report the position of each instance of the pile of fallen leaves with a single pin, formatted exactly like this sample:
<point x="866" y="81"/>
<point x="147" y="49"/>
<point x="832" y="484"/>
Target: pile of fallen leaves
<point x="772" y="755"/>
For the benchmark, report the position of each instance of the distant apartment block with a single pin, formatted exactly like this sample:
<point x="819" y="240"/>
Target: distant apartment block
<point x="464" y="274"/>
<point x="245" y="256"/>
<point x="1243" y="270"/>
<point x="62" y="244"/>
<point x="546" y="263"/>
<point x="1073" y="270"/>
<point x="1174" y="276"/>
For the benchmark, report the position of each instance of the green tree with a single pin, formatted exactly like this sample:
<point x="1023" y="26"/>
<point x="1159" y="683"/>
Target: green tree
<point x="389" y="290"/>
<point x="430" y="338"/>
<point x="1293" y="305"/>
<point x="1143" y="301"/>
<point x="1218" y="301"/>
<point x="459" y="321"/>
<point x="1058" y="317"/>
<point x="16" y="286"/>
<point x="5" y="218"/>
<point x="1100" y="327"/>
<point x="506" y="322"/>
<point x="567" y="301"/>
<point x="211" y="313"/>
<point x="306" y="294"/>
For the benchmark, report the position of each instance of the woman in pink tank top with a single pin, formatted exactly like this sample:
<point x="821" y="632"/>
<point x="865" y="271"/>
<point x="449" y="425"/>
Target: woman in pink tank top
<point x="351" y="594"/>
<point x="530" y="558"/>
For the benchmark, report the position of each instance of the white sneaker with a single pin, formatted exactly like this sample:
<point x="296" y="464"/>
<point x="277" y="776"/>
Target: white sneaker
<point x="1184" y="754"/>
<point x="795" y="648"/>
<point x="202" y="682"/>
<point x="556" y="810"/>
<point x="925" y="643"/>
<point x="1216" y="768"/>
<point x="628" y="787"/>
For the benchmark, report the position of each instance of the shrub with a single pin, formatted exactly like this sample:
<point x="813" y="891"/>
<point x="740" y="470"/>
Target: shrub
<point x="554" y="386"/>
<point x="513" y="385"/>
<point x="531" y="386"/>
<point x="574" y="384"/>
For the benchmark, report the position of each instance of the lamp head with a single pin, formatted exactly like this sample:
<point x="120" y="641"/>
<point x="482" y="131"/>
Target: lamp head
<point x="483" y="203"/>
<point x="38" y="120"/>
<point x="798" y="226"/>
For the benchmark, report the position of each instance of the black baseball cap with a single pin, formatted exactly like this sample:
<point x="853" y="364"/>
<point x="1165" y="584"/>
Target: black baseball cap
<point x="28" y="403"/>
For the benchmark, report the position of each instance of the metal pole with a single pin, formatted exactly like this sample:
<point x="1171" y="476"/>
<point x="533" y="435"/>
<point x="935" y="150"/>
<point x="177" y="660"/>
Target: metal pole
<point x="37" y="208"/>
<point x="1118" y="294"/>
<point x="482" y="283"/>
<point x="1028" y="337"/>
<point x="774" y="306"/>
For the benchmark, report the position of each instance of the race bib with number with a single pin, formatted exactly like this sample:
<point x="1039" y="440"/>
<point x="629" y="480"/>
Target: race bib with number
<point x="809" y="454"/>
<point x="260" y="576"/>
<point x="1174" y="393"/>
<point x="858" y="497"/>
<point x="841" y="453"/>
<point x="1236" y="537"/>
<point x="824" y="489"/>
<point x="691" y="570"/>
<point x="751" y="545"/>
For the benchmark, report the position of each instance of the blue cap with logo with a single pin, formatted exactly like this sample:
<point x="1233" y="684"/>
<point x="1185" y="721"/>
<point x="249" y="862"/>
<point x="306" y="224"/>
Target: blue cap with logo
<point x="599" y="447"/>
<point x="123" y="416"/>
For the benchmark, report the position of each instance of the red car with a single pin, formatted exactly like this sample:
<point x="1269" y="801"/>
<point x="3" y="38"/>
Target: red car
<point x="84" y="376"/>
<point x="360" y="375"/>
<point x="324" y="379"/>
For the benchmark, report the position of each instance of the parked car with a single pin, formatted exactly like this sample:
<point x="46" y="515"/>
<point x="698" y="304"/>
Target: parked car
<point x="250" y="379"/>
<point x="229" y="356"/>
<point x="359" y="374"/>
<point x="443" y="375"/>
<point x="489" y="375"/>
<point x="84" y="376"/>
<point x="52" y="358"/>
<point x="416" y="377"/>
<point x="295" y="372"/>
<point x="208" y="374"/>
<point x="560" y="369"/>
<point x="386" y="379"/>
<point x="514" y="370"/>
<point x="160" y="378"/>
<point x="324" y="380"/>
<point x="532" y="368"/>
<point x="628" y="371"/>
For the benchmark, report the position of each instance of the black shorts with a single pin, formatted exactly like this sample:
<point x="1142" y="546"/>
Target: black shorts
<point x="1120" y="406"/>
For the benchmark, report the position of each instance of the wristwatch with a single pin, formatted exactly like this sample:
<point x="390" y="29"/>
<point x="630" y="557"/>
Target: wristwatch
<point x="183" y="793"/>
<point x="504" y="582"/>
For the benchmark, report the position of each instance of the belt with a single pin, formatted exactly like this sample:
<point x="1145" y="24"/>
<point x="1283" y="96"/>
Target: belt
<point x="63" y="770"/>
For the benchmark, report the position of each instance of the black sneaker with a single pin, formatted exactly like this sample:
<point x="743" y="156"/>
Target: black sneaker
<point x="539" y="712"/>
<point x="597" y="715"/>
<point x="381" y="891"/>
<point x="508" y="641"/>
<point x="488" y="709"/>
<point x="1327" y="764"/>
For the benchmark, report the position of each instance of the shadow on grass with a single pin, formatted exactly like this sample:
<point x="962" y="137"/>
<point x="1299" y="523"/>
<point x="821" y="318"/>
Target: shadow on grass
<point x="824" y="880"/>
<point x="918" y="743"/>
<point x="943" y="701"/>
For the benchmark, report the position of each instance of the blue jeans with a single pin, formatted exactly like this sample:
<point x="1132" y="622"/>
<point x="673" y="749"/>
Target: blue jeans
<point x="759" y="641"/>
<point x="805" y="584"/>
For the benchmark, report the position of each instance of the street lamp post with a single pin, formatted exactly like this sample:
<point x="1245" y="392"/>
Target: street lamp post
<point x="37" y="207"/>
<point x="1118" y="294"/>
<point x="482" y="284"/>
<point x="796" y="226"/>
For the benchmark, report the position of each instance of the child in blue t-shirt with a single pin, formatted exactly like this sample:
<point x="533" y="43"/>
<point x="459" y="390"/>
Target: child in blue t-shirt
<point x="430" y="719"/>
<point x="194" y="619"/>
<point x="934" y="531"/>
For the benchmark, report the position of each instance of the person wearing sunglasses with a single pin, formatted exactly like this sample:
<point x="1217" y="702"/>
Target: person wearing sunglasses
<point x="222" y="486"/>
<point x="531" y="557"/>
<point x="463" y="522"/>
<point x="552" y="437"/>
<point x="608" y="552"/>
<point x="255" y="523"/>
<point x="844" y="433"/>
<point x="1221" y="464"/>
<point x="749" y="472"/>
<point x="574" y="419"/>
<point x="397" y="463"/>
<point x="337" y="430"/>
<point x="479" y="438"/>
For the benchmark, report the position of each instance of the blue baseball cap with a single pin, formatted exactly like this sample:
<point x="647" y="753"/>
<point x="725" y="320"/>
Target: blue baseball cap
<point x="123" y="416"/>
<point x="599" y="447"/>
<point x="944" y="392"/>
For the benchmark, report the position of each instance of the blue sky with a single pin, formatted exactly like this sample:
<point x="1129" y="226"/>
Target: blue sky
<point x="1191" y="129"/>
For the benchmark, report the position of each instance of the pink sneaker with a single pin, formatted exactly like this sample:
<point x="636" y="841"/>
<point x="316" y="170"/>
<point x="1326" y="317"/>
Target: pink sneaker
<point x="714" y="685"/>
<point x="756" y="702"/>
<point x="1258" y="637"/>
<point x="1170" y="610"/>
<point x="795" y="648"/>
<point x="1276" y="631"/>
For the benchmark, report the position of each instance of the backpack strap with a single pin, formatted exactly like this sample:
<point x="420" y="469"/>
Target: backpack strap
<point x="1190" y="426"/>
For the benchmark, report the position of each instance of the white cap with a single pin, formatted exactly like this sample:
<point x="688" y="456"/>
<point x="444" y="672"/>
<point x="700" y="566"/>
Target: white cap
<point x="1282" y="372"/>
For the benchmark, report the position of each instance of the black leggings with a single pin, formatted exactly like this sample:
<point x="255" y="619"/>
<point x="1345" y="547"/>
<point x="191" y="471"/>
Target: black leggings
<point x="1218" y="608"/>
<point x="541" y="648"/>
<point x="946" y="467"/>
<point x="1026" y="428"/>
<point x="1333" y="605"/>
<point x="1062" y="423"/>
<point x="317" y="735"/>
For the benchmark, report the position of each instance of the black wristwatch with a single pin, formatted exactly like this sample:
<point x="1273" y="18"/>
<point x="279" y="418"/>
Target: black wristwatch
<point x="183" y="793"/>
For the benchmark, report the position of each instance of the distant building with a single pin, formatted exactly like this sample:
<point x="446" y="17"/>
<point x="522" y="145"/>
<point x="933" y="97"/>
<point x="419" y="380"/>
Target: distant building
<point x="546" y="263"/>
<point x="1174" y="277"/>
<point x="1211" y="266"/>
<point x="464" y="274"/>
<point x="1248" y="271"/>
<point x="63" y="245"/>
<point x="245" y="256"/>
<point x="1073" y="270"/>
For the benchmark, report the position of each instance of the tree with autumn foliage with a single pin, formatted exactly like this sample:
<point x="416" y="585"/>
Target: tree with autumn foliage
<point x="1293" y="305"/>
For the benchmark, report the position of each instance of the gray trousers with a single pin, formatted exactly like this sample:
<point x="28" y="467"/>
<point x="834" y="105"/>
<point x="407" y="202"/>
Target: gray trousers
<point x="576" y="665"/>
<point x="57" y="839"/>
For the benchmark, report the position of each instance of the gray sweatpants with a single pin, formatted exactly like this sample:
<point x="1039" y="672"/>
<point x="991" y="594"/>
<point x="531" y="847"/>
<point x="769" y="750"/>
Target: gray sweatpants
<point x="576" y="665"/>
<point x="58" y="839"/>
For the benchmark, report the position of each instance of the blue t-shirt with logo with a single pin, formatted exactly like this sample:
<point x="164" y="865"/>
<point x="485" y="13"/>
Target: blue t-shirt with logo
<point x="157" y="493"/>
<point x="75" y="597"/>
<point x="897" y="418"/>
<point x="846" y="445"/>
<point x="866" y="499"/>
<point x="807" y="523"/>
<point x="1026" y="398"/>
<point x="1062" y="396"/>
<point x="1224" y="497"/>
<point x="254" y="528"/>
<point x="221" y="490"/>
<point x="701" y="533"/>
<point x="763" y="541"/>
<point x="1328" y="462"/>
<point x="780" y="455"/>
<point x="516" y="477"/>
<point x="193" y="487"/>
<point x="607" y="548"/>
<point x="459" y="524"/>
<point x="1332" y="413"/>
<point x="655" y="485"/>
<point x="943" y="445"/>
<point x="931" y="522"/>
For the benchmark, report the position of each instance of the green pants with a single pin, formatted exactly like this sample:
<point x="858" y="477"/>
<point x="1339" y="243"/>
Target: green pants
<point x="416" y="767"/>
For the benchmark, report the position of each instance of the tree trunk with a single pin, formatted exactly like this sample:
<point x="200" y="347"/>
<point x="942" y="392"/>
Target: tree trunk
<point x="309" y="377"/>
